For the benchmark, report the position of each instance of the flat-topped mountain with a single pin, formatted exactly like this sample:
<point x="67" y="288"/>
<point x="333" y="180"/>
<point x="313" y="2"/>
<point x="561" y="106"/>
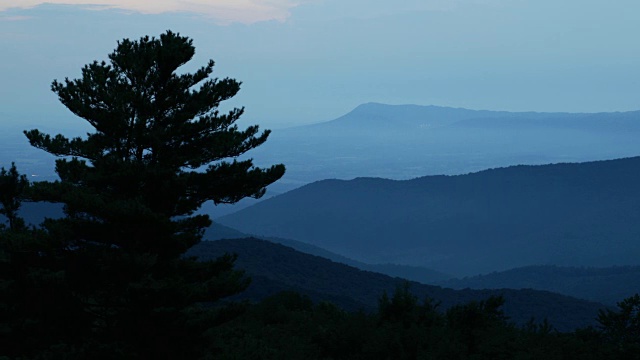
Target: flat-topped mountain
<point x="407" y="141"/>
<point x="584" y="214"/>
<point x="399" y="117"/>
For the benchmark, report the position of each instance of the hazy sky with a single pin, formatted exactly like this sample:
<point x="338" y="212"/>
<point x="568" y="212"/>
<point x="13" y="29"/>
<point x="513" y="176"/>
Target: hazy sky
<point x="304" y="61"/>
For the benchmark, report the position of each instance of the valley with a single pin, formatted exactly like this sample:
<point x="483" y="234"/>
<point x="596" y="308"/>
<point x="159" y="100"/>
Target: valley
<point x="536" y="207"/>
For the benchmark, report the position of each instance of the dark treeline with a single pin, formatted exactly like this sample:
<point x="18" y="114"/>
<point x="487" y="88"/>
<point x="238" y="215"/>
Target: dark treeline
<point x="289" y="325"/>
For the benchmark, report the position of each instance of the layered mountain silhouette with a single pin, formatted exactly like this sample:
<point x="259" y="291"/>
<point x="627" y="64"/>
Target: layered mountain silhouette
<point x="583" y="214"/>
<point x="274" y="268"/>
<point x="402" y="142"/>
<point x="607" y="285"/>
<point x="415" y="273"/>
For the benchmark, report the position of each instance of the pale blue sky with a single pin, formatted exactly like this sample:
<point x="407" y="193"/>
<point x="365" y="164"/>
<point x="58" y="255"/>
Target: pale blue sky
<point x="309" y="61"/>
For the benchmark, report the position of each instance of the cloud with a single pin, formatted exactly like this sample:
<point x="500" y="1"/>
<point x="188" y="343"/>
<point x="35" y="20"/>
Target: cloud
<point x="14" y="18"/>
<point x="222" y="11"/>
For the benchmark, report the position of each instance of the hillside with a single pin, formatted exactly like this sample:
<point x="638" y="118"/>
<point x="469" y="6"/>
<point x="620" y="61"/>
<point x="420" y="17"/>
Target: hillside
<point x="275" y="267"/>
<point x="415" y="273"/>
<point x="582" y="214"/>
<point x="605" y="285"/>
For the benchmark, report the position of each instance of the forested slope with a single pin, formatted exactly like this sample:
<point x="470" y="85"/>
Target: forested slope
<point x="582" y="214"/>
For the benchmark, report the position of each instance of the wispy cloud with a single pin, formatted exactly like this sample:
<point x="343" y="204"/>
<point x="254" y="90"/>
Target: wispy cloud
<point x="14" y="18"/>
<point x="223" y="11"/>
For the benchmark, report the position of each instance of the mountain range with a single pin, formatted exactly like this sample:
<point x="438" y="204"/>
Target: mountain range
<point x="399" y="142"/>
<point x="573" y="214"/>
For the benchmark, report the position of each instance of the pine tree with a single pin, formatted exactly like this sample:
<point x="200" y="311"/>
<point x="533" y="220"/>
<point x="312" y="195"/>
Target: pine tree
<point x="160" y="149"/>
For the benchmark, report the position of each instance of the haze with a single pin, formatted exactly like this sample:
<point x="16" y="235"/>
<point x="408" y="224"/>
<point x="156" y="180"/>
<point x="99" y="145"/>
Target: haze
<point x="303" y="62"/>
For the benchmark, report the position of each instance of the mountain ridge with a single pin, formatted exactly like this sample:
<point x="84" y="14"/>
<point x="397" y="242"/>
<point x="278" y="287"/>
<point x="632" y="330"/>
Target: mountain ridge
<point x="572" y="214"/>
<point x="606" y="285"/>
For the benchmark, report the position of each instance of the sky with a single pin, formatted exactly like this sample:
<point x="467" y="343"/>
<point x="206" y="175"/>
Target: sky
<point x="308" y="61"/>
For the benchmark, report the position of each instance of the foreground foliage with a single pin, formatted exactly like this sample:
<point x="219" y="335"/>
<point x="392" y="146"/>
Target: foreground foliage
<point x="290" y="326"/>
<point x="44" y="317"/>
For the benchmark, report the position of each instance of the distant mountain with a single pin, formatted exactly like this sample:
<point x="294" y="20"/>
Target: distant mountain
<point x="605" y="285"/>
<point x="411" y="117"/>
<point x="583" y="214"/>
<point x="274" y="267"/>
<point x="407" y="141"/>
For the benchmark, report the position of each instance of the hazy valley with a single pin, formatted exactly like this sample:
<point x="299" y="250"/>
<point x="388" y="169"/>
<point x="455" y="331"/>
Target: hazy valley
<point x="538" y="208"/>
